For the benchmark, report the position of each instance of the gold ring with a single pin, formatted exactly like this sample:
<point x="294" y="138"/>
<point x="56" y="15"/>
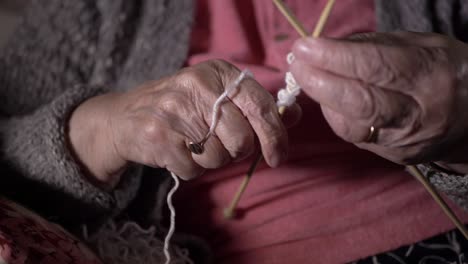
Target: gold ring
<point x="372" y="137"/>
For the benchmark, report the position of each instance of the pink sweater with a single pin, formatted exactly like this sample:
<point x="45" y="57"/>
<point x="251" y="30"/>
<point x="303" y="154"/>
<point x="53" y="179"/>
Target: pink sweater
<point x="331" y="202"/>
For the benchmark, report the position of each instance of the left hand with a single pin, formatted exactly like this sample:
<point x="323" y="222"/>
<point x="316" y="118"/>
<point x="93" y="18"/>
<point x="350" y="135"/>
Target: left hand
<point x="412" y="87"/>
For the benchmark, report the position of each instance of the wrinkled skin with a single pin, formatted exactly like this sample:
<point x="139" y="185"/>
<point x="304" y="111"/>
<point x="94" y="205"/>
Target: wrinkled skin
<point x="411" y="86"/>
<point x="154" y="123"/>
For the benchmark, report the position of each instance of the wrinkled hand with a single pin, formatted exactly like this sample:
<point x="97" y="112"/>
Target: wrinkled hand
<point x="154" y="123"/>
<point x="411" y="86"/>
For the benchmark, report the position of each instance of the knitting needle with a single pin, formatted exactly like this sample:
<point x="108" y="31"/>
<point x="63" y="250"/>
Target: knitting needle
<point x="411" y="168"/>
<point x="293" y="19"/>
<point x="229" y="212"/>
<point x="323" y="19"/>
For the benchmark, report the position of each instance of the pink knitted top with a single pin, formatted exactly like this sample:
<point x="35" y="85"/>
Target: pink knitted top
<point x="331" y="202"/>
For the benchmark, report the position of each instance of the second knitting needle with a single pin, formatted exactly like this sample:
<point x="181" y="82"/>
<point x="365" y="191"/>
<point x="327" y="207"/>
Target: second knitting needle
<point x="229" y="212"/>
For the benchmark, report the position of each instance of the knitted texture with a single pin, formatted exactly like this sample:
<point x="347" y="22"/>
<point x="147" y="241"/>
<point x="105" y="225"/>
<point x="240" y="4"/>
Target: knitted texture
<point x="454" y="186"/>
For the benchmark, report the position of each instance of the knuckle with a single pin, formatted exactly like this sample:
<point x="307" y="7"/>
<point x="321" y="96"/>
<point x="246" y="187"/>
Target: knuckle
<point x="226" y="72"/>
<point x="222" y="65"/>
<point x="381" y="70"/>
<point x="363" y="99"/>
<point x="174" y="102"/>
<point x="224" y="68"/>
<point x="191" y="78"/>
<point x="150" y="131"/>
<point x="258" y="104"/>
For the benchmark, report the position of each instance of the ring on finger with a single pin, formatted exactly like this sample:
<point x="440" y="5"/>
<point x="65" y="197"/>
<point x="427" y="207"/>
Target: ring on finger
<point x="372" y="136"/>
<point x="198" y="147"/>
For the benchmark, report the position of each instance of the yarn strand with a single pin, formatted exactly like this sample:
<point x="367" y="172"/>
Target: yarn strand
<point x="167" y="240"/>
<point x="229" y="89"/>
<point x="214" y="121"/>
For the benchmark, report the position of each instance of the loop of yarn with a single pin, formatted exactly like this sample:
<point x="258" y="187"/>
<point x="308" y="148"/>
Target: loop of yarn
<point x="290" y="58"/>
<point x="287" y="96"/>
<point x="229" y="89"/>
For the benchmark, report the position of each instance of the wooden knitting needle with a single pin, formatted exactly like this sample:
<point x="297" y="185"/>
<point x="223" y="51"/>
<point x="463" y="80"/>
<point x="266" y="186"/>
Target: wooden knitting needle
<point x="411" y="168"/>
<point x="292" y="19"/>
<point x="229" y="212"/>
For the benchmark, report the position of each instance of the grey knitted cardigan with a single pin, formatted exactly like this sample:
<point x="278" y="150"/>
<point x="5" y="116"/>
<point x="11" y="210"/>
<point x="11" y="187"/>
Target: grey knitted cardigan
<point x="64" y="52"/>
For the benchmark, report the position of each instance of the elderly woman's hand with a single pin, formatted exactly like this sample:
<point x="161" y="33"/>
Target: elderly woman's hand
<point x="411" y="87"/>
<point x="154" y="123"/>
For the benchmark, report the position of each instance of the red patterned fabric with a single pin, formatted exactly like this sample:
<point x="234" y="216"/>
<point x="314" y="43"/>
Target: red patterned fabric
<point x="27" y="238"/>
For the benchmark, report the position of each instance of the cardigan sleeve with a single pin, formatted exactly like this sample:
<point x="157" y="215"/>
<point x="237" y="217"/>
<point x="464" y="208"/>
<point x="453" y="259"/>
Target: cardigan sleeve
<point x="40" y="172"/>
<point x="61" y="54"/>
<point x="448" y="17"/>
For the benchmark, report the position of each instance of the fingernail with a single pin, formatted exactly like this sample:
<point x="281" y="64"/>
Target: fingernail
<point x="278" y="158"/>
<point x="275" y="161"/>
<point x="304" y="43"/>
<point x="308" y="45"/>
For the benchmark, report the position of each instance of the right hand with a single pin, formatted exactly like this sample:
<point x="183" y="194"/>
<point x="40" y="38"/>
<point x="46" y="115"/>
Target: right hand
<point x="411" y="86"/>
<point x="153" y="124"/>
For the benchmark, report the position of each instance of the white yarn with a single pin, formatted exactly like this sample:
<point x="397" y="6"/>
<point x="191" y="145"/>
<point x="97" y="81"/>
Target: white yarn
<point x="290" y="58"/>
<point x="167" y="240"/>
<point x="231" y="87"/>
<point x="287" y="96"/>
<point x="214" y="121"/>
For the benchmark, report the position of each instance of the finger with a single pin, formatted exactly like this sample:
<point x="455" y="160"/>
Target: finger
<point x="235" y="133"/>
<point x="351" y="131"/>
<point x="178" y="159"/>
<point x="214" y="155"/>
<point x="359" y="132"/>
<point x="259" y="107"/>
<point x="344" y="95"/>
<point x="354" y="99"/>
<point x="365" y="61"/>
